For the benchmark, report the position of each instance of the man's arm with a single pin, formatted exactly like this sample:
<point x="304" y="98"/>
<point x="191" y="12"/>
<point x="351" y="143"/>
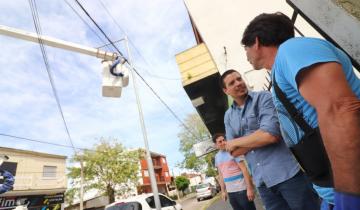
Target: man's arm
<point x="242" y="145"/>
<point x="239" y="151"/>
<point x="222" y="186"/>
<point x="268" y="131"/>
<point x="325" y="87"/>
<point x="259" y="138"/>
<point x="249" y="185"/>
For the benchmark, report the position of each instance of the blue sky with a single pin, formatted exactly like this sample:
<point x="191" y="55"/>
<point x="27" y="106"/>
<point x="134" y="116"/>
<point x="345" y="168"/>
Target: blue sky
<point x="158" y="29"/>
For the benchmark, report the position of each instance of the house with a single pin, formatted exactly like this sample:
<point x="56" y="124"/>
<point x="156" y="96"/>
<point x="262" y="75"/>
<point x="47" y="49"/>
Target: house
<point x="162" y="174"/>
<point x="40" y="179"/>
<point x="195" y="179"/>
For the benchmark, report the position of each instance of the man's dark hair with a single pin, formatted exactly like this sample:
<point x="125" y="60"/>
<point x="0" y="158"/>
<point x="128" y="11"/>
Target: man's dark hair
<point x="217" y="135"/>
<point x="271" y="30"/>
<point x="222" y="77"/>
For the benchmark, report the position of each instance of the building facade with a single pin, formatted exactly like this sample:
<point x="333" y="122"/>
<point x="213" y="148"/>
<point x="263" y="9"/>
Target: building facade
<point x="40" y="180"/>
<point x="162" y="174"/>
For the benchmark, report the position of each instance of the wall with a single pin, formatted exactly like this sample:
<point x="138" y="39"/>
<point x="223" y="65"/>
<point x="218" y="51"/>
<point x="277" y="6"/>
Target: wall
<point x="225" y="26"/>
<point x="29" y="173"/>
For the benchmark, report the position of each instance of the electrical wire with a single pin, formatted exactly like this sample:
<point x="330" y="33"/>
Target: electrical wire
<point x="146" y="83"/>
<point x="38" y="141"/>
<point x="136" y="49"/>
<point x="45" y="142"/>
<point x="88" y="25"/>
<point x="37" y="25"/>
<point x="134" y="46"/>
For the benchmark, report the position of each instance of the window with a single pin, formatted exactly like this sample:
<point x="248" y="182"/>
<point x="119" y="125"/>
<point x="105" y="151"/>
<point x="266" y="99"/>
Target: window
<point x="163" y="160"/>
<point x="150" y="200"/>
<point x="167" y="174"/>
<point x="165" y="201"/>
<point x="146" y="173"/>
<point x="49" y="171"/>
<point x="200" y="186"/>
<point x="125" y="206"/>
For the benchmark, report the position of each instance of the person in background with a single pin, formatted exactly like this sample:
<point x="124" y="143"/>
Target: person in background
<point x="235" y="180"/>
<point x="8" y="178"/>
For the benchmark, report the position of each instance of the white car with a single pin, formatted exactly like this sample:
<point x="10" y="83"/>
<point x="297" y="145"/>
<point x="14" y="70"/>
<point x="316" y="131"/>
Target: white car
<point x="144" y="202"/>
<point x="205" y="190"/>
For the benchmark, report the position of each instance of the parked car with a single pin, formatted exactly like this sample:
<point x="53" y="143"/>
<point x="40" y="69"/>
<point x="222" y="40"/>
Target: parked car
<point x="205" y="190"/>
<point x="214" y="182"/>
<point x="144" y="202"/>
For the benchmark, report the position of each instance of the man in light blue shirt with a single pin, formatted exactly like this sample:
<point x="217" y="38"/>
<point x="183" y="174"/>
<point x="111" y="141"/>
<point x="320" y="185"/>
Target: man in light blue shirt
<point x="252" y="128"/>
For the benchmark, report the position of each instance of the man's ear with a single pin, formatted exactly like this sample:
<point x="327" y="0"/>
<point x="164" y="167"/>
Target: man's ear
<point x="225" y="91"/>
<point x="256" y="44"/>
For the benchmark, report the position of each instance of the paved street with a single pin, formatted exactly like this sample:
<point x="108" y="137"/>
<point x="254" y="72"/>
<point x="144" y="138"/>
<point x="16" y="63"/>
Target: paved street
<point x="191" y="203"/>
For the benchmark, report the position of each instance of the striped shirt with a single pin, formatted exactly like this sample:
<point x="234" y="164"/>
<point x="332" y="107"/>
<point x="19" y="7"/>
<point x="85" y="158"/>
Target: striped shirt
<point x="231" y="172"/>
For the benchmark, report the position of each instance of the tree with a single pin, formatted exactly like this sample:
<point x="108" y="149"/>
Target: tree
<point x="109" y="168"/>
<point x="195" y="132"/>
<point x="182" y="183"/>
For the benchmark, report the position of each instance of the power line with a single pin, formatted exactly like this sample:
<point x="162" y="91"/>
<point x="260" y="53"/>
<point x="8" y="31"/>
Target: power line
<point x="146" y="83"/>
<point x="45" y="142"/>
<point x="38" y="141"/>
<point x="136" y="49"/>
<point x="95" y="23"/>
<point x="37" y="25"/>
<point x="83" y="20"/>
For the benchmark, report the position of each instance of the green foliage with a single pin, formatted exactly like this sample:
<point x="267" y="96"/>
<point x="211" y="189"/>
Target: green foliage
<point x="109" y="168"/>
<point x="198" y="133"/>
<point x="210" y="161"/>
<point x="182" y="183"/>
<point x="70" y="195"/>
<point x="174" y="197"/>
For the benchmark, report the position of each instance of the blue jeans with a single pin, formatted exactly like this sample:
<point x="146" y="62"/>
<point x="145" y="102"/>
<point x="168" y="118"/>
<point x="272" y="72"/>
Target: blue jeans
<point x="326" y="206"/>
<point x="239" y="201"/>
<point x="295" y="193"/>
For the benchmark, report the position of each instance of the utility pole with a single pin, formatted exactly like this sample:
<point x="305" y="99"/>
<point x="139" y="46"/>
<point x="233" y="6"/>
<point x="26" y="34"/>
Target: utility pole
<point x="143" y="129"/>
<point x="81" y="184"/>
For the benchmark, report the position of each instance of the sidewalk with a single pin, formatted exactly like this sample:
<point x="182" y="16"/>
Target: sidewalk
<point x="186" y="197"/>
<point x="220" y="204"/>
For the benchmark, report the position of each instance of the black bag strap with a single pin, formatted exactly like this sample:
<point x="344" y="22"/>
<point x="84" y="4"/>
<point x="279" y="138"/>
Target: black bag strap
<point x="290" y="108"/>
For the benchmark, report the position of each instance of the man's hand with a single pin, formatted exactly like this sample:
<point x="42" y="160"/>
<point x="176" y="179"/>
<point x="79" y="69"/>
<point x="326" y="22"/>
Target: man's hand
<point x="224" y="196"/>
<point x="250" y="193"/>
<point x="230" y="146"/>
<point x="235" y="150"/>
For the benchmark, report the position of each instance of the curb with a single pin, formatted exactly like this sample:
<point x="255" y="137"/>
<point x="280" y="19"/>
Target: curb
<point x="216" y="198"/>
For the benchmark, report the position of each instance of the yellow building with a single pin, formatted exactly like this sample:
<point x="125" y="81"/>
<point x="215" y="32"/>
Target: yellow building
<point x="40" y="179"/>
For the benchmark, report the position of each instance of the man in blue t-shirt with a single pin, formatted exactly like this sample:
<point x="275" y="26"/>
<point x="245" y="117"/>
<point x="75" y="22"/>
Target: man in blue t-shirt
<point x="234" y="178"/>
<point x="318" y="79"/>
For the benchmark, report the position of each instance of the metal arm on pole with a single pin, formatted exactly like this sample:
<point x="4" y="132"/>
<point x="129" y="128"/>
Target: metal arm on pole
<point x="33" y="37"/>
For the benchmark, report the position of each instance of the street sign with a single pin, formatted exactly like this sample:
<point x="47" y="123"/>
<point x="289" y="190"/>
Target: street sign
<point x="203" y="148"/>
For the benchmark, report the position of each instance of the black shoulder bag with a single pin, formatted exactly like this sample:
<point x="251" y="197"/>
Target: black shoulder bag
<point x="310" y="151"/>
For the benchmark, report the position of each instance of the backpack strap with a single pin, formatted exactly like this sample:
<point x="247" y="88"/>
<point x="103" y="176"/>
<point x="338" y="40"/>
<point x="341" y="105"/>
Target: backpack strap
<point x="290" y="108"/>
